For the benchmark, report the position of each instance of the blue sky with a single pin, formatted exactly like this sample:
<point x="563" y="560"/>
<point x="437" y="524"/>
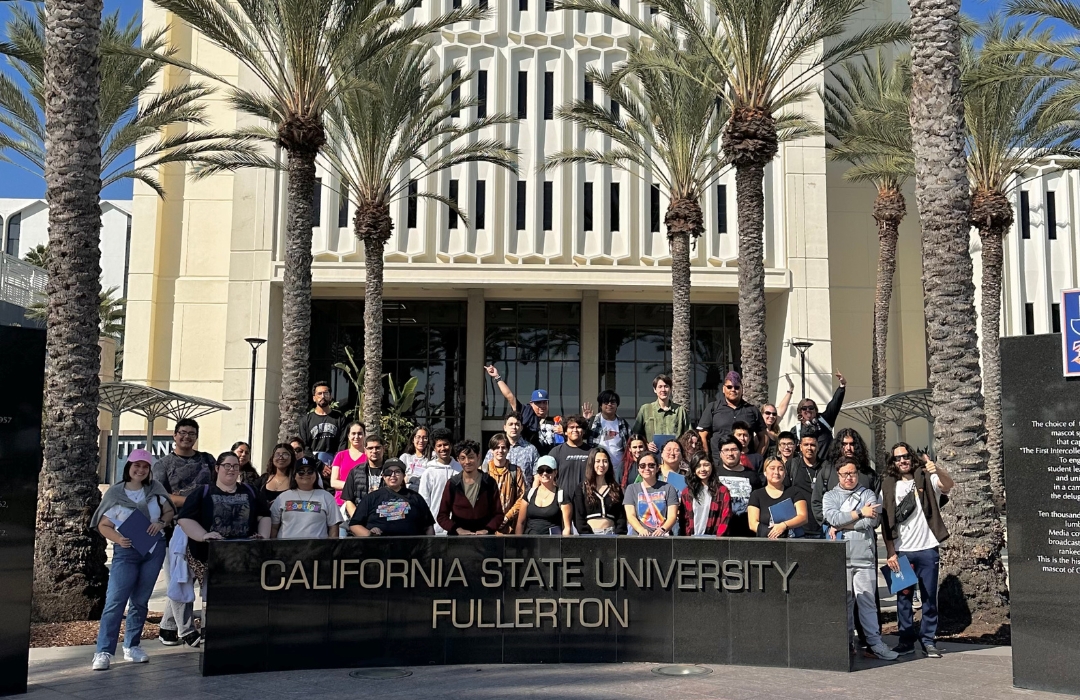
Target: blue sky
<point x="15" y="182"/>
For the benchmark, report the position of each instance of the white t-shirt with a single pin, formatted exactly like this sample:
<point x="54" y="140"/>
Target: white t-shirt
<point x="304" y="514"/>
<point x="701" y="512"/>
<point x="414" y="469"/>
<point x="118" y="514"/>
<point x="915" y="534"/>
<point x="611" y="441"/>
<point x="433" y="483"/>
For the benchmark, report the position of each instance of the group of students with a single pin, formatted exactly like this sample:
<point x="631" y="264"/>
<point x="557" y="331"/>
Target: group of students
<point x="592" y="474"/>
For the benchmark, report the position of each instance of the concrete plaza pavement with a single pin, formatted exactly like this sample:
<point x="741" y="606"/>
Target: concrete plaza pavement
<point x="966" y="671"/>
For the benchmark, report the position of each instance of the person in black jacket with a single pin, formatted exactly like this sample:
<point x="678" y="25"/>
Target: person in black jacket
<point x="820" y="425"/>
<point x="598" y="505"/>
<point x="803" y="472"/>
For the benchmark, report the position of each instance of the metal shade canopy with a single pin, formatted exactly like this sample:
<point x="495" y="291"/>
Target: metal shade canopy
<point x="894" y="408"/>
<point x="150" y="403"/>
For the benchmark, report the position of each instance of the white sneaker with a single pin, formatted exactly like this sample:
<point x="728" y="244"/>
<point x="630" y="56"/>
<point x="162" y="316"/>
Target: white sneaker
<point x="136" y="655"/>
<point x="883" y="652"/>
<point x="102" y="659"/>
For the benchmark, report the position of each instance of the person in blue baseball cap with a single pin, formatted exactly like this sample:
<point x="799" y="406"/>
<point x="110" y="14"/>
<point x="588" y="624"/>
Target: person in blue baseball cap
<point x="537" y="426"/>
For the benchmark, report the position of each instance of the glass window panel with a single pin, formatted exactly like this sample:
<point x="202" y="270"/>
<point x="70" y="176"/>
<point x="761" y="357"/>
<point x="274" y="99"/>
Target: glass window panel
<point x="650" y="345"/>
<point x="412" y="342"/>
<point x="564" y="388"/>
<point x="624" y="387"/>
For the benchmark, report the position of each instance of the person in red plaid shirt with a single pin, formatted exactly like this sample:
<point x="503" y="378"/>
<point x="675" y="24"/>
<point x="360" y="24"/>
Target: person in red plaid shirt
<point x="706" y="503"/>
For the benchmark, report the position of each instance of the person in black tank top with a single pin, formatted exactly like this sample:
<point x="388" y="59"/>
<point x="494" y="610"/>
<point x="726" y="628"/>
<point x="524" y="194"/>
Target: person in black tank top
<point x="546" y="504"/>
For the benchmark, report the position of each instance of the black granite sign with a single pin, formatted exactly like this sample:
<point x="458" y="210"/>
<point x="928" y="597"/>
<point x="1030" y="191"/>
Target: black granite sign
<point x="1041" y="416"/>
<point x="302" y="604"/>
<point x="22" y="376"/>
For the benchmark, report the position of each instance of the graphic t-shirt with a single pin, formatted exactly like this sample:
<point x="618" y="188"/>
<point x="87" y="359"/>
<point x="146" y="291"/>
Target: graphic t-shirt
<point x="650" y="503"/>
<point x="234" y="516"/>
<point x="182" y="475"/>
<point x="740" y="485"/>
<point x="611" y="440"/>
<point x="395" y="513"/>
<point x="304" y="514"/>
<point x="571" y="461"/>
<point x="324" y="433"/>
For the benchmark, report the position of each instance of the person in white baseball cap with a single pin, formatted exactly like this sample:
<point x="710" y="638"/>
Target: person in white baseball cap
<point x="135" y="565"/>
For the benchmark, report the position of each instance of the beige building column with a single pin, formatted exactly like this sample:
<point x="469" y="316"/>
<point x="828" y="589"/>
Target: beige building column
<point x="474" y="368"/>
<point x="589" y="366"/>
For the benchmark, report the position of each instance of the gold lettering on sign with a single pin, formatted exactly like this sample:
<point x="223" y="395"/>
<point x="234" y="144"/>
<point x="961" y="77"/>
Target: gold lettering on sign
<point x="551" y="613"/>
<point x="281" y="580"/>
<point x="456" y="574"/>
<point x="599" y="612"/>
<point x="491" y="567"/>
<point x="436" y="611"/>
<point x="298" y="567"/>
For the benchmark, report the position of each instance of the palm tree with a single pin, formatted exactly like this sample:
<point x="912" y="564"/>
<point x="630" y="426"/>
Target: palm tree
<point x="70" y="577"/>
<point x="111" y="311"/>
<point x="1014" y="121"/>
<point x="766" y="54"/>
<point x="973" y="585"/>
<point x="667" y="128"/>
<point x="400" y="129"/>
<point x="867" y="126"/>
<point x="302" y="55"/>
<point x="130" y="67"/>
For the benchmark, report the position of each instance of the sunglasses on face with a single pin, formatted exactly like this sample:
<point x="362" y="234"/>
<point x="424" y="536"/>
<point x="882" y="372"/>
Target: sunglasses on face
<point x="768" y="413"/>
<point x="902" y="458"/>
<point x="545" y="470"/>
<point x="305" y="472"/>
<point x="393" y="472"/>
<point x="804" y="409"/>
<point x="732" y="387"/>
<point x="647" y="465"/>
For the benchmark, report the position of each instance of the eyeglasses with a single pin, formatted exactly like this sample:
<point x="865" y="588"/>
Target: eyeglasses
<point x="768" y="413"/>
<point x="284" y="455"/>
<point x="846" y="475"/>
<point x="611" y="401"/>
<point x="186" y="433"/>
<point x="902" y="458"/>
<point x="229" y="467"/>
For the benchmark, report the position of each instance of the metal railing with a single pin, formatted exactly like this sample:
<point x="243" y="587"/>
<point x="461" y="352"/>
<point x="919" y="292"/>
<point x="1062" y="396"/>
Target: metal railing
<point x="20" y="282"/>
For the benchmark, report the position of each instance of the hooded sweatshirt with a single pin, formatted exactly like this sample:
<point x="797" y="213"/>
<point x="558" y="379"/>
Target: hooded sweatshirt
<point x="859" y="534"/>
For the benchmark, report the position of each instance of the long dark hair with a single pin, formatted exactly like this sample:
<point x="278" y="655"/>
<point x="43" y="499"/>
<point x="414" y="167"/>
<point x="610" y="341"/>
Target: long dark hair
<point x="694" y="482"/>
<point x="862" y="455"/>
<point x="685" y="439"/>
<point x="149" y="475"/>
<point x="591" y="496"/>
<point x="412" y="445"/>
<point x="892" y="471"/>
<point x="271" y="471"/>
<point x="627" y="459"/>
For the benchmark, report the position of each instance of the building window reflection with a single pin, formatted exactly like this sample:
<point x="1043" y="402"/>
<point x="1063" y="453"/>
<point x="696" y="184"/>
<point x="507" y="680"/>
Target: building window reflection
<point x="535" y="345"/>
<point x="422" y="339"/>
<point x="635" y="346"/>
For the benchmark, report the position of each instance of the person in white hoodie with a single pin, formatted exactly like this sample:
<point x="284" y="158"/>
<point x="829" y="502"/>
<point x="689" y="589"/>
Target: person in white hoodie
<point x="854" y="511"/>
<point x="438" y="472"/>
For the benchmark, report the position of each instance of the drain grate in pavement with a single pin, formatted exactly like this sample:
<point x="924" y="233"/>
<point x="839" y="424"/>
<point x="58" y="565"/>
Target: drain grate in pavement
<point x="380" y="674"/>
<point x="681" y="670"/>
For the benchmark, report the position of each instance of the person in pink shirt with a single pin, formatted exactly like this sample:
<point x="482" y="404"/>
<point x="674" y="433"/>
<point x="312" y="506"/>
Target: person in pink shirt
<point x="348" y="459"/>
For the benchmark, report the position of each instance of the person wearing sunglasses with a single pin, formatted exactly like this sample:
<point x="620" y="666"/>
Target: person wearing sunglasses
<point x="392" y="510"/>
<point x="911" y="525"/>
<point x="547" y="508"/>
<point x="651" y="505"/>
<point x="719" y="417"/>
<point x="820" y="424"/>
<point x="855" y="511"/>
<point x="606" y="429"/>
<point x="304" y="511"/>
<point x="770" y="416"/>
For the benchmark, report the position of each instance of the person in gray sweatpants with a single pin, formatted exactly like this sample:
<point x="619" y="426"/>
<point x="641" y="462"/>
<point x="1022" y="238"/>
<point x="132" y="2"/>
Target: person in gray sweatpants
<point x="852" y="511"/>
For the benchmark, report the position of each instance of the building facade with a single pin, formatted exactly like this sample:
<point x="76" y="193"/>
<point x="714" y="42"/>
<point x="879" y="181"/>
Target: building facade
<point x="562" y="279"/>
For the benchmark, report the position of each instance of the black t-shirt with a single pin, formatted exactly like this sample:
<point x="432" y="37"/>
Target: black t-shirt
<point x="324" y="433"/>
<point x="740" y="484"/>
<point x="718" y="417"/>
<point x="234" y="516"/>
<point x="763" y="501"/>
<point x="571" y="461"/>
<point x="402" y="513"/>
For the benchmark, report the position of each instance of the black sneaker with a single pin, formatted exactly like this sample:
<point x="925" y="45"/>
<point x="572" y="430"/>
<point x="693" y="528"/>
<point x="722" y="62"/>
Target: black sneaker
<point x="193" y="639"/>
<point x="904" y="649"/>
<point x="168" y="637"/>
<point x="931" y="651"/>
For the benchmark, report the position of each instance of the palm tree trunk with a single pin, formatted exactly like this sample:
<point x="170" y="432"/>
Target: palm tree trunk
<point x="70" y="577"/>
<point x="684" y="221"/>
<point x="889" y="210"/>
<point x="750" y="198"/>
<point x="973" y="589"/>
<point x="992" y="214"/>
<point x="296" y="303"/>
<point x="373" y="226"/>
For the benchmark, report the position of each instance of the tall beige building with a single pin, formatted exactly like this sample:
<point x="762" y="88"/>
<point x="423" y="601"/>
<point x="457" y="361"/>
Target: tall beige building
<point x="562" y="279"/>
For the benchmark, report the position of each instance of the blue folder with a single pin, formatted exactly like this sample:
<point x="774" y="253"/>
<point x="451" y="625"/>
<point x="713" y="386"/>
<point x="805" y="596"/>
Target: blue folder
<point x="905" y="579"/>
<point x="783" y="511"/>
<point x="661" y="440"/>
<point x="134" y="528"/>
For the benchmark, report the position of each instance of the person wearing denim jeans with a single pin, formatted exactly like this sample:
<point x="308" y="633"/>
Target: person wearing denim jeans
<point x="133" y="574"/>
<point x="912" y="526"/>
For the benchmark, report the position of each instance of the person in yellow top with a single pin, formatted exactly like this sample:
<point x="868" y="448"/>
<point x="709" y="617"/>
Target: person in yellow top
<point x="510" y="479"/>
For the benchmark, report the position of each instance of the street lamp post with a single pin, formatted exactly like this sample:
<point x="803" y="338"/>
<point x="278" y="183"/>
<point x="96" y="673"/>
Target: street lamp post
<point x="802" y="346"/>
<point x="254" y="343"/>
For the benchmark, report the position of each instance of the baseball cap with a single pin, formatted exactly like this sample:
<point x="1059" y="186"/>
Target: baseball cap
<point x="393" y="464"/>
<point x="547" y="461"/>
<point x="141" y="456"/>
<point x="539" y="395"/>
